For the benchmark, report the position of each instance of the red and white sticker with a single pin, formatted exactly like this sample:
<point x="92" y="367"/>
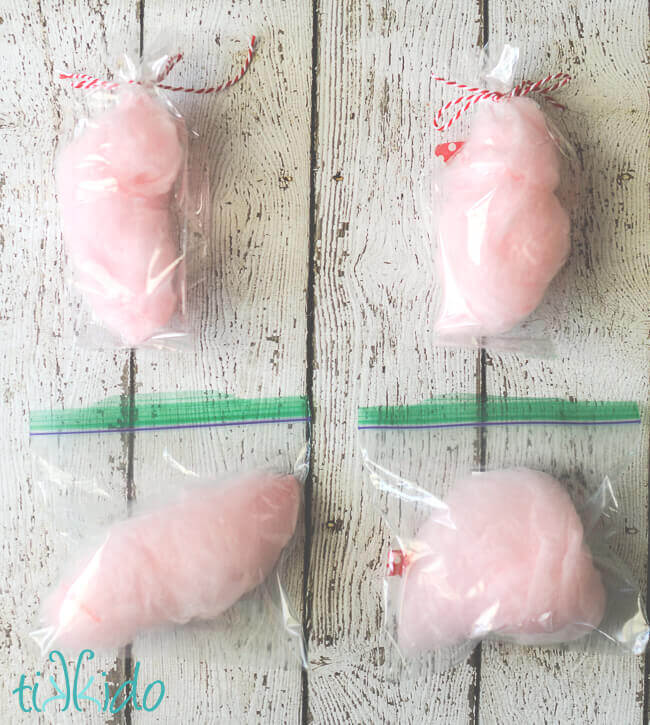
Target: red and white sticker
<point x="447" y="151"/>
<point x="397" y="562"/>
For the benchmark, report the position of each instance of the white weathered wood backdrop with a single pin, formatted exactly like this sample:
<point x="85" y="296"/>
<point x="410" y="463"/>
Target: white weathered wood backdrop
<point x="321" y="283"/>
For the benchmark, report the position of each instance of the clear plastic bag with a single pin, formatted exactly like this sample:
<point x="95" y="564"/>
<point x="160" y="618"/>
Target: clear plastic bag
<point x="503" y="517"/>
<point x="135" y="203"/>
<point x="500" y="230"/>
<point x="205" y="540"/>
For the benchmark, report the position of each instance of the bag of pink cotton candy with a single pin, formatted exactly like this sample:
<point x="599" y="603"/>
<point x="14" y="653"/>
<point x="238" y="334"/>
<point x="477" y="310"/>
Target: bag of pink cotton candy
<point x="506" y="522"/>
<point x="201" y="532"/>
<point x="135" y="203"/>
<point x="501" y="231"/>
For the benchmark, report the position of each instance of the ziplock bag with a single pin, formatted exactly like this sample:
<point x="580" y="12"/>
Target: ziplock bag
<point x="502" y="517"/>
<point x="201" y="534"/>
<point x="135" y="201"/>
<point x="500" y="230"/>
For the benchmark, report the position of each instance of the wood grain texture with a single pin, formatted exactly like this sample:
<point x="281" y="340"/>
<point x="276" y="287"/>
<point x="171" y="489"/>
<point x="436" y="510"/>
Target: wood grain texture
<point x="373" y="271"/>
<point x="253" y="320"/>
<point x="373" y="298"/>
<point x="600" y="302"/>
<point x="39" y="368"/>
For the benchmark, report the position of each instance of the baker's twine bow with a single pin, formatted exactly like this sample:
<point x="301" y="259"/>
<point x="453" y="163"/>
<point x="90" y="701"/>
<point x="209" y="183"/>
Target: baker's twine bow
<point x="87" y="82"/>
<point x="474" y="95"/>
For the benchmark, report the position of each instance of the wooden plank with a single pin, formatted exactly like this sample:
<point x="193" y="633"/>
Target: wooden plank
<point x="374" y="293"/>
<point x="38" y="368"/>
<point x="253" y="317"/>
<point x="600" y="300"/>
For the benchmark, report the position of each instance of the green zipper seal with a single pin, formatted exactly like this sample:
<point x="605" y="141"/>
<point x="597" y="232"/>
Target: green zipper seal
<point x="458" y="411"/>
<point x="165" y="411"/>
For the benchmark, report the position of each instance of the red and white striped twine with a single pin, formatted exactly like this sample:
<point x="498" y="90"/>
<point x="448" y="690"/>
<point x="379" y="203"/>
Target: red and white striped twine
<point x="86" y="82"/>
<point x="475" y="95"/>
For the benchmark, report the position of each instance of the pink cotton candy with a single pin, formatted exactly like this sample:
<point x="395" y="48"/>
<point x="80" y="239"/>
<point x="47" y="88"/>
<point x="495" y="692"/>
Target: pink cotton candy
<point x="503" y="234"/>
<point x="192" y="559"/>
<point x="115" y="184"/>
<point x="506" y="556"/>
